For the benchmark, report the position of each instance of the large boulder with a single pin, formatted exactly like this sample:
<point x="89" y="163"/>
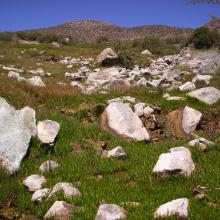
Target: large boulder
<point x="184" y="121"/>
<point x="107" y="57"/>
<point x="111" y="212"/>
<point x="177" y="161"/>
<point x="119" y="118"/>
<point x="208" y="95"/>
<point x="16" y="129"/>
<point x="178" y="208"/>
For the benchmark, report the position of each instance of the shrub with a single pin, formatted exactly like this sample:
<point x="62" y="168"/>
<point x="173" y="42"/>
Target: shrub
<point x="28" y="35"/>
<point x="203" y="38"/>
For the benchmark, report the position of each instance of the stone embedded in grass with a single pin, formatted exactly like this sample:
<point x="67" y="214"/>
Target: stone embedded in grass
<point x="177" y="161"/>
<point x="48" y="166"/>
<point x="120" y="119"/>
<point x="34" y="182"/>
<point x="60" y="210"/>
<point x="178" y="208"/>
<point x="16" y="129"/>
<point x="191" y="119"/>
<point x="172" y="98"/>
<point x="208" y="95"/>
<point x="111" y="212"/>
<point x="12" y="74"/>
<point x="188" y="86"/>
<point x="47" y="131"/>
<point x="40" y="194"/>
<point x="116" y="153"/>
<point x="35" y="81"/>
<point x="146" y="52"/>
<point x="67" y="188"/>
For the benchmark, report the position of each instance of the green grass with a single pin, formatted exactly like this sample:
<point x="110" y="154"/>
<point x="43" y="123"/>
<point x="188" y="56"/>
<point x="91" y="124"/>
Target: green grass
<point x="130" y="180"/>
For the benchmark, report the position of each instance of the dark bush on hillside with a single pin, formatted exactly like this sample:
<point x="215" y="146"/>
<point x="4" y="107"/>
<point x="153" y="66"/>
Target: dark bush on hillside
<point x="103" y="40"/>
<point x="7" y="36"/>
<point x="203" y="38"/>
<point x="155" y="45"/>
<point x="27" y="35"/>
<point x="49" y="38"/>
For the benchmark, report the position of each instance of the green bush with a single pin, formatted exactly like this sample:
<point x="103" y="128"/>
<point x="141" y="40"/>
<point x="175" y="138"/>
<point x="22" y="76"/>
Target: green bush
<point x="28" y="35"/>
<point x="203" y="38"/>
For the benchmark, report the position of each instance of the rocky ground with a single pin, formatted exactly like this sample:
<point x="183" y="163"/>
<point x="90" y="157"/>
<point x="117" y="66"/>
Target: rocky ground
<point x="99" y="141"/>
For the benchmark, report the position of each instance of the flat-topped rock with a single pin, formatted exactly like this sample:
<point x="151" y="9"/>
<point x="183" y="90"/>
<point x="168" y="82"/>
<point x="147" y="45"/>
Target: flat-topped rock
<point x="208" y="95"/>
<point x="111" y="212"/>
<point x="178" y="208"/>
<point x="34" y="182"/>
<point x="177" y="161"/>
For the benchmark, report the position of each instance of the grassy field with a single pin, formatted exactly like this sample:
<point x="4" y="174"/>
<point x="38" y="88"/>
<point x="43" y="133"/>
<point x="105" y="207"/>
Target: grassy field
<point x="123" y="182"/>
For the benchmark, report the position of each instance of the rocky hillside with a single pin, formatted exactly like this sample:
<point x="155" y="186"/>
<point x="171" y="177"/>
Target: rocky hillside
<point x="89" y="30"/>
<point x="214" y="24"/>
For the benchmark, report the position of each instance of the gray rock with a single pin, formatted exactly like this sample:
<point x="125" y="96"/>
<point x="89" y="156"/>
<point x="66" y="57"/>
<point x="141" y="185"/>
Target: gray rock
<point x="208" y="95"/>
<point x="35" y="81"/>
<point x="21" y="125"/>
<point x="48" y="166"/>
<point x="139" y="109"/>
<point x="47" y="131"/>
<point x="178" y="208"/>
<point x="119" y="118"/>
<point x="60" y="210"/>
<point x="191" y="119"/>
<point x="111" y="212"/>
<point x="117" y="153"/>
<point x="177" y="161"/>
<point x="67" y="188"/>
<point x="34" y="182"/>
<point x="188" y="86"/>
<point x="201" y="80"/>
<point x="39" y="194"/>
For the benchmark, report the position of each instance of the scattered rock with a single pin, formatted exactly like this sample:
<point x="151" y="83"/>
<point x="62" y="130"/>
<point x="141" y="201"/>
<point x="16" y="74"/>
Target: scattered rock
<point x="19" y="124"/>
<point x="107" y="56"/>
<point x="178" y="208"/>
<point x="77" y="85"/>
<point x="35" y="81"/>
<point x="34" y="182"/>
<point x="201" y="80"/>
<point x="60" y="210"/>
<point x="48" y="166"/>
<point x="39" y="194"/>
<point x="12" y="74"/>
<point x="67" y="188"/>
<point x="117" y="153"/>
<point x="191" y="119"/>
<point x="47" y="131"/>
<point x="146" y="52"/>
<point x="139" y="109"/>
<point x="188" y="86"/>
<point x="119" y="118"/>
<point x="111" y="212"/>
<point x="56" y="44"/>
<point x="177" y="161"/>
<point x="208" y="95"/>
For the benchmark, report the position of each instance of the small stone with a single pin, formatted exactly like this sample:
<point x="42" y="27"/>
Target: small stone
<point x="117" y="153"/>
<point x="139" y="109"/>
<point x="12" y="74"/>
<point x="47" y="131"/>
<point x="48" y="166"/>
<point x="35" y="81"/>
<point x="178" y="208"/>
<point x="148" y="111"/>
<point x="111" y="212"/>
<point x="188" y="86"/>
<point x="69" y="190"/>
<point x="40" y="194"/>
<point x="146" y="52"/>
<point x="34" y="182"/>
<point x="60" y="210"/>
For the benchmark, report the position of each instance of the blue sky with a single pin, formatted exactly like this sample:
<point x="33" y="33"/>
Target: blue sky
<point x="28" y="14"/>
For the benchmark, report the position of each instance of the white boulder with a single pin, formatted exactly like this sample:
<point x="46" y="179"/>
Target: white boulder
<point x="117" y="153"/>
<point x="16" y="129"/>
<point x="111" y="212"/>
<point x="35" y="81"/>
<point x="34" y="182"/>
<point x="47" y="131"/>
<point x="177" y="160"/>
<point x="107" y="56"/>
<point x="208" y="95"/>
<point x="188" y="86"/>
<point x="178" y="208"/>
<point x="119" y="118"/>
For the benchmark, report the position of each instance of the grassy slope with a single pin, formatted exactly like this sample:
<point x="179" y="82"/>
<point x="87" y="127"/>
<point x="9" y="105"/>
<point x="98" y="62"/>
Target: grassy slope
<point x="124" y="181"/>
